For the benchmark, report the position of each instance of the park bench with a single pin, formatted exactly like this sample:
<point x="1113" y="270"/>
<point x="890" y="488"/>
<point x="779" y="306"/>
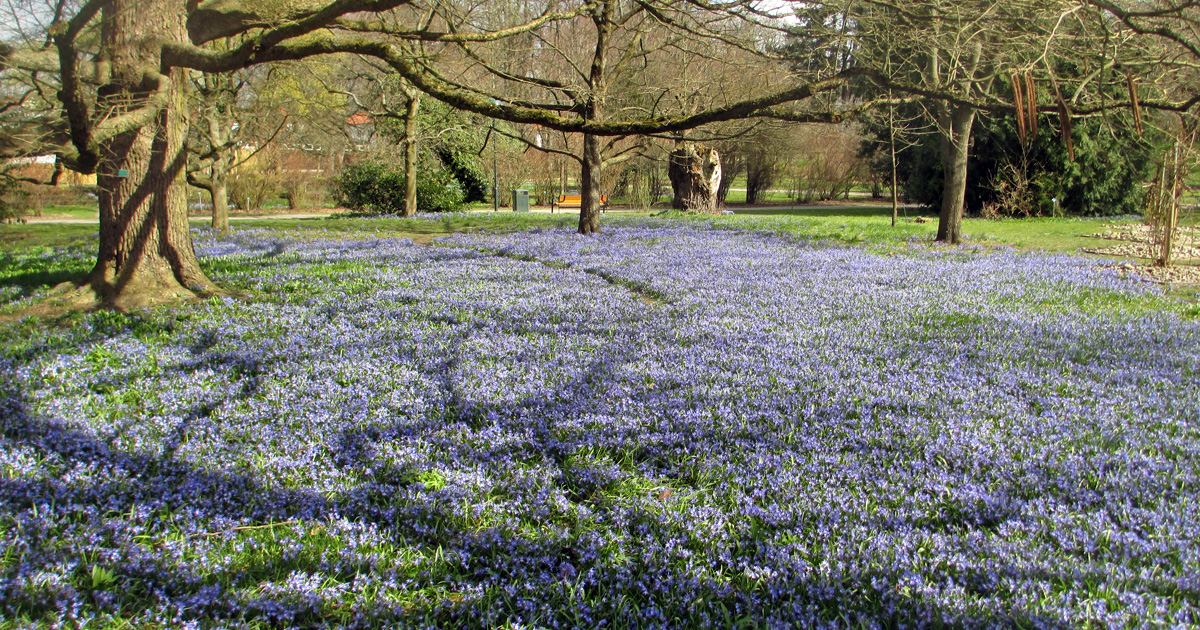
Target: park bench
<point x="575" y="201"/>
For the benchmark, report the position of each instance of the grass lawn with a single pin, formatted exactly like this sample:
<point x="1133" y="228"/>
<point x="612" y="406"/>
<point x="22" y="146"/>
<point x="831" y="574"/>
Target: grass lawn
<point x="88" y="212"/>
<point x="37" y="256"/>
<point x="873" y="222"/>
<point x="745" y="421"/>
<point x="420" y="230"/>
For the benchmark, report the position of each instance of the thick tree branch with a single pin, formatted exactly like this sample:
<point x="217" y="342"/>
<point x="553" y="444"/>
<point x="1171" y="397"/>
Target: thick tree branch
<point x="379" y="27"/>
<point x="215" y="19"/>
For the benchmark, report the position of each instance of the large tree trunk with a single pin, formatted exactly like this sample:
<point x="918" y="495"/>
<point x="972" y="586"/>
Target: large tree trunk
<point x="589" y="186"/>
<point x="410" y="152"/>
<point x="146" y="253"/>
<point x="956" y="141"/>
<point x="695" y="174"/>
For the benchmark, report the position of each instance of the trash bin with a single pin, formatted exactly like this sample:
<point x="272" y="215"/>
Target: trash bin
<point x="520" y="200"/>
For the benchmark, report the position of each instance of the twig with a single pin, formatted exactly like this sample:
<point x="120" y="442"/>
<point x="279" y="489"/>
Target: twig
<point x="243" y="528"/>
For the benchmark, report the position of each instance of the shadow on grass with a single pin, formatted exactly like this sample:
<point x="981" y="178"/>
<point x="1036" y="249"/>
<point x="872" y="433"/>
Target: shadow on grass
<point x="34" y="281"/>
<point x="145" y="534"/>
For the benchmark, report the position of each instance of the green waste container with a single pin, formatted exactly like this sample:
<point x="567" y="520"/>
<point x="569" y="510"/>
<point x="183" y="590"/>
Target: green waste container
<point x="520" y="200"/>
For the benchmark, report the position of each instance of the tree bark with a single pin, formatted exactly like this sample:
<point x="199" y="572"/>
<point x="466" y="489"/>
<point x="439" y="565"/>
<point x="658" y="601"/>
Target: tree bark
<point x="294" y="194"/>
<point x="410" y="151"/>
<point x="731" y="165"/>
<point x="695" y="175"/>
<point x="220" y="197"/>
<point x="589" y="186"/>
<point x="593" y="164"/>
<point x="760" y="174"/>
<point x="146" y="253"/>
<point x="895" y="179"/>
<point x="956" y="141"/>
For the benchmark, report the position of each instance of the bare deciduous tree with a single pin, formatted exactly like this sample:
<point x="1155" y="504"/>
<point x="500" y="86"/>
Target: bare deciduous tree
<point x="960" y="55"/>
<point x="126" y="117"/>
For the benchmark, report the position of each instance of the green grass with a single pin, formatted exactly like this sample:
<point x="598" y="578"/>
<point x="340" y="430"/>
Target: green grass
<point x="35" y="257"/>
<point x="739" y="196"/>
<point x="89" y="212"/>
<point x="18" y="238"/>
<point x="855" y="223"/>
<point x="419" y="230"/>
<point x="1056" y="235"/>
<point x="850" y="222"/>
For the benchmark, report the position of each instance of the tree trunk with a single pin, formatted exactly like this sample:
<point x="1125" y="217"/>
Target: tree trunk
<point x="1168" y="205"/>
<point x="410" y="152"/>
<point x="146" y="253"/>
<point x="956" y="141"/>
<point x="589" y="186"/>
<point x="760" y="174"/>
<point x="294" y="192"/>
<point x="695" y="179"/>
<point x="731" y="165"/>
<point x="593" y="164"/>
<point x="752" y="186"/>
<point x="895" y="179"/>
<point x="219" y="191"/>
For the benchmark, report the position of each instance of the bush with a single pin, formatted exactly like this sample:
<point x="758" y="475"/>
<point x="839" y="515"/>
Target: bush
<point x="1105" y="178"/>
<point x="21" y="198"/>
<point x="438" y="191"/>
<point x="250" y="185"/>
<point x="471" y="177"/>
<point x="374" y="186"/>
<point x="10" y="205"/>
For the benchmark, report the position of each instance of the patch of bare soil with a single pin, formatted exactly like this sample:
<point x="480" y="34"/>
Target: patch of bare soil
<point x="1136" y="241"/>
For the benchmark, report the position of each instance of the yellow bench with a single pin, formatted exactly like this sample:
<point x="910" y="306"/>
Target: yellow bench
<point x="576" y="201"/>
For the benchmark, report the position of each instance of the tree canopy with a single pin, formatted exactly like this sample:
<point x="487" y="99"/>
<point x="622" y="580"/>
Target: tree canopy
<point x="105" y="80"/>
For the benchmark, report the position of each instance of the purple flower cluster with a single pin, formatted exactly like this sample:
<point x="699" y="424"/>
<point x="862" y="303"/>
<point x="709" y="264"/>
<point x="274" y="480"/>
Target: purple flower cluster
<point x="663" y="426"/>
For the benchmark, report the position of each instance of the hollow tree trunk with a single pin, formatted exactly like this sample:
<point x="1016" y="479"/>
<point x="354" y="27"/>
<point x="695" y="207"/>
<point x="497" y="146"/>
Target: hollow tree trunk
<point x="695" y="178"/>
<point x="956" y="141"/>
<point x="589" y="186"/>
<point x="146" y="253"/>
<point x="410" y="152"/>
